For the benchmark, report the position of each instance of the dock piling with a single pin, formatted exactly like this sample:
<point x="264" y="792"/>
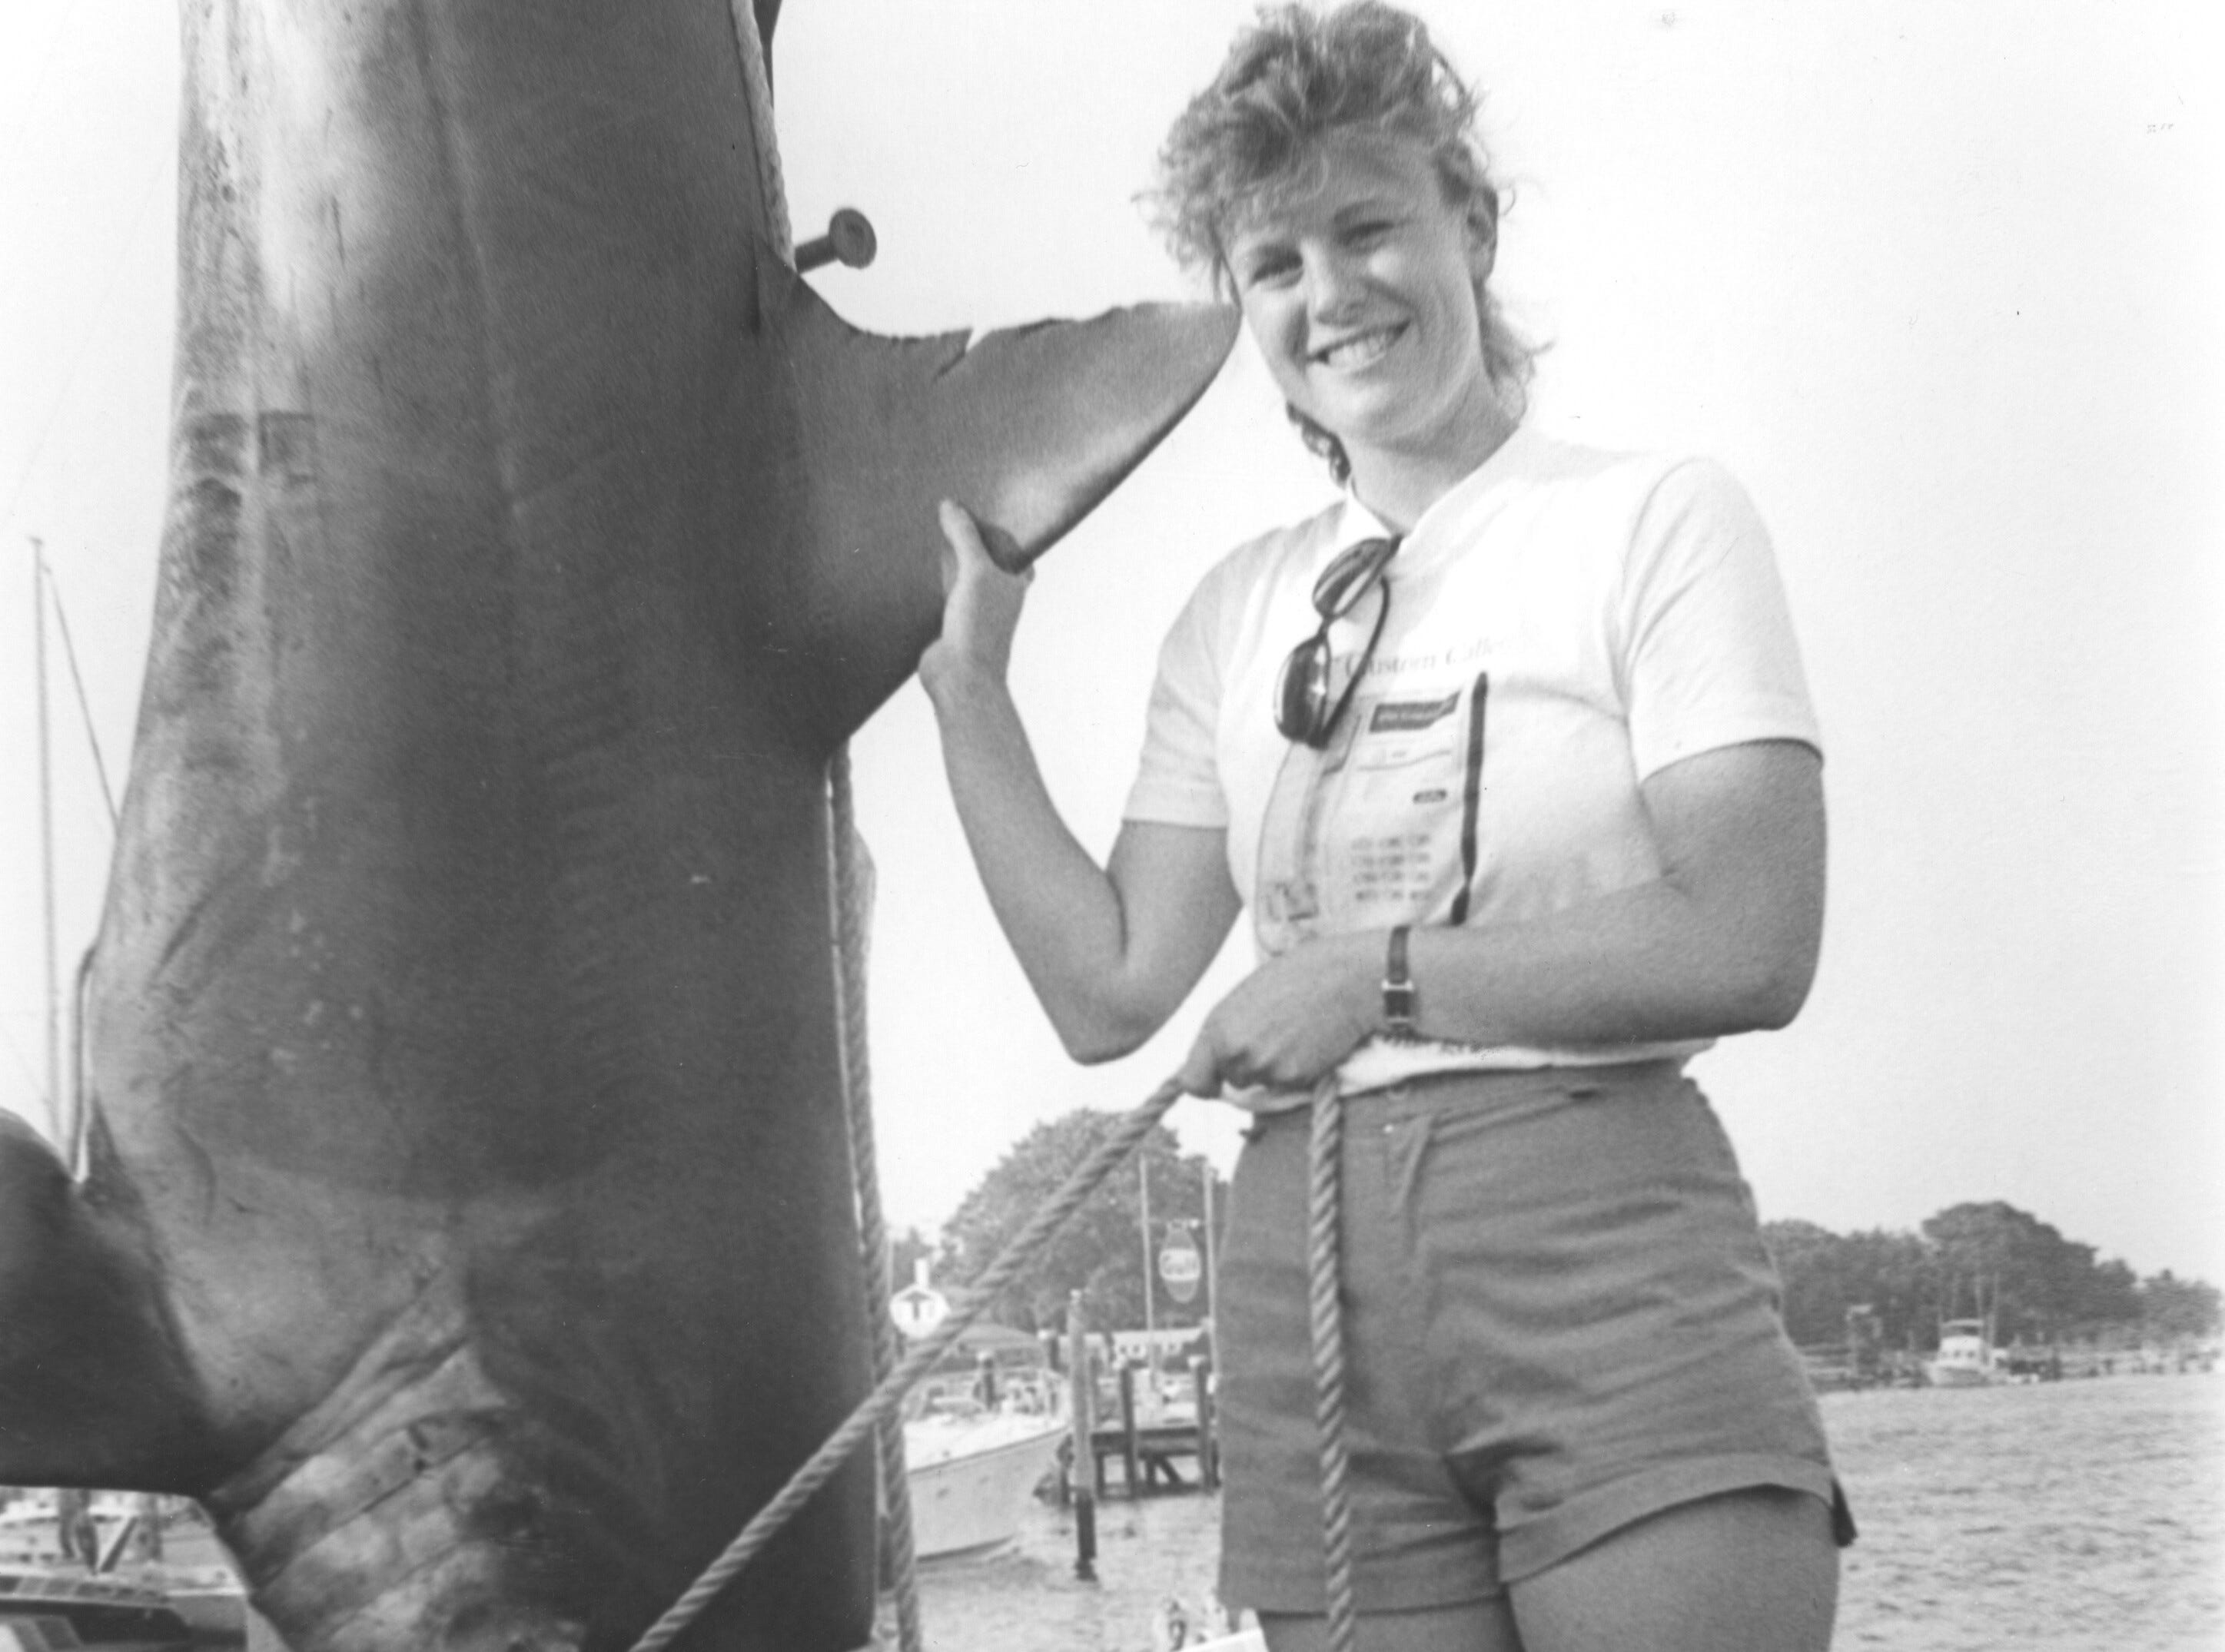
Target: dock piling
<point x="1081" y="1467"/>
<point x="1208" y="1460"/>
<point x="1131" y="1454"/>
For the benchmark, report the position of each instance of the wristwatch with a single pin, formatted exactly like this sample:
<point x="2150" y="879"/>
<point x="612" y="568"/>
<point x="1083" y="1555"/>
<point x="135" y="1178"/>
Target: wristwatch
<point x="1397" y="988"/>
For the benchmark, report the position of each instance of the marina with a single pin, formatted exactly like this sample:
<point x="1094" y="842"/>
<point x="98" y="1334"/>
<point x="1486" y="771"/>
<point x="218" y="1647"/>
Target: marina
<point x="2085" y="1516"/>
<point x="2077" y="1516"/>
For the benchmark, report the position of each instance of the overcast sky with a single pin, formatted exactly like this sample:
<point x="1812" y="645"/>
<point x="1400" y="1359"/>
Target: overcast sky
<point x="1937" y="282"/>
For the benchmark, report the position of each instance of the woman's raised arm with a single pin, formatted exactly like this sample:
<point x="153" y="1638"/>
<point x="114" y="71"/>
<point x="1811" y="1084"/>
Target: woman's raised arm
<point x="1111" y="951"/>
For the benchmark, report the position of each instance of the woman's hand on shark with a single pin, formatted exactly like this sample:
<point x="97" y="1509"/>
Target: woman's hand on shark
<point x="981" y="607"/>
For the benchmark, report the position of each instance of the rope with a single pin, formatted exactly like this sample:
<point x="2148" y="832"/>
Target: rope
<point x="852" y="895"/>
<point x="851" y="901"/>
<point x="822" y="1464"/>
<point x="52" y="1084"/>
<point x="72" y="1144"/>
<point x="758" y="96"/>
<point x="83" y="707"/>
<point x="1324" y="1204"/>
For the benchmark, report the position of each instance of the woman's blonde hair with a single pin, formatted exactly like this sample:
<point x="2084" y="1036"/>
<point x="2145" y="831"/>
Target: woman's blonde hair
<point x="1293" y="78"/>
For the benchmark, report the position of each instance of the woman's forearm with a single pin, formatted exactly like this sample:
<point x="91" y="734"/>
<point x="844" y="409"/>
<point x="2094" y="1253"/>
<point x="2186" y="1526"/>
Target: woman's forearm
<point x="1058" y="908"/>
<point x="1642" y="965"/>
<point x="1723" y="941"/>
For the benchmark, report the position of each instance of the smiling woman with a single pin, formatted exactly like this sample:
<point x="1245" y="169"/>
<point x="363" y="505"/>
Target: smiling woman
<point x="1528" y="816"/>
<point x="1361" y="293"/>
<point x="1375" y="239"/>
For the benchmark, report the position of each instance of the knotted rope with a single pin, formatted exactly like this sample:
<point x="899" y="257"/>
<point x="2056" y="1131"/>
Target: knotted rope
<point x="1323" y="1210"/>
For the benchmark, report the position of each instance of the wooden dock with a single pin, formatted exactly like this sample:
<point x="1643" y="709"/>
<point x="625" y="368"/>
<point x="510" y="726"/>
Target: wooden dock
<point x="1147" y="1452"/>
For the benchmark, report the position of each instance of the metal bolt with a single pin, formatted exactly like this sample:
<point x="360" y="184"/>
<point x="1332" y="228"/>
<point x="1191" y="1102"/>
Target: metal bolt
<point x="849" y="240"/>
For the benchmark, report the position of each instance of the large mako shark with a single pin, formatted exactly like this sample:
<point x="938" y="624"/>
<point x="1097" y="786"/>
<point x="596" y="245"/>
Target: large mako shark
<point x="466" y="1219"/>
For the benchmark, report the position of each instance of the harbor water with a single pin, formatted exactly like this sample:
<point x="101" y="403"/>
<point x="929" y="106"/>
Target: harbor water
<point x="2077" y="1516"/>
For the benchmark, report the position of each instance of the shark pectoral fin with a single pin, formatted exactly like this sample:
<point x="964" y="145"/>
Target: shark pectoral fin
<point x="91" y="1393"/>
<point x="1029" y="428"/>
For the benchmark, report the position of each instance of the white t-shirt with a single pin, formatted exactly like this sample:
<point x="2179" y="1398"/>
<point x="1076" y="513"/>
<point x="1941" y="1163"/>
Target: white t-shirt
<point x="1562" y="624"/>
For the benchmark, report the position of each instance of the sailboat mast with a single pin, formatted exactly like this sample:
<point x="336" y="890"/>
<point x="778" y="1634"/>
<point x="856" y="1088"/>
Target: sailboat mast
<point x="47" y="845"/>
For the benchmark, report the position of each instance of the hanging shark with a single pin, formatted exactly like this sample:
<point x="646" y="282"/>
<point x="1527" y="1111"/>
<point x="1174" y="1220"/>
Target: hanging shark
<point x="465" y="1216"/>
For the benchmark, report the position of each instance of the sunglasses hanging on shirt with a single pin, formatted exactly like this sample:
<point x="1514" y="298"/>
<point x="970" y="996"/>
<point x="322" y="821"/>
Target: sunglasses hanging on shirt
<point x="1307" y="707"/>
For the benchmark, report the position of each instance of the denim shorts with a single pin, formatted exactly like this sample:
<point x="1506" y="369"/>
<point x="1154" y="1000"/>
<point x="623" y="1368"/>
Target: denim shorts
<point x="1558" y="1319"/>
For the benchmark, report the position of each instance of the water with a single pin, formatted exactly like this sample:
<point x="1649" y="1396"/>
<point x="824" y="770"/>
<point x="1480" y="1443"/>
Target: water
<point x="2062" y="1517"/>
<point x="2085" y="1517"/>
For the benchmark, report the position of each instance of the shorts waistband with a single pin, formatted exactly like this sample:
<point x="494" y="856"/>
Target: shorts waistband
<point x="1493" y="1089"/>
<point x="1527" y="1080"/>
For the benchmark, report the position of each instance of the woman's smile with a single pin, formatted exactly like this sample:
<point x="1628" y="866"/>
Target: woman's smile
<point x="1359" y="350"/>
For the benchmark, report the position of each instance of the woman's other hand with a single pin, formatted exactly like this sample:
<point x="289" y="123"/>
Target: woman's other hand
<point x="1293" y="1019"/>
<point x="981" y="607"/>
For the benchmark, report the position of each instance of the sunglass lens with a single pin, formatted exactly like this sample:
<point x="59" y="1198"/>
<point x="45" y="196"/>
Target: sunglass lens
<point x="1303" y="707"/>
<point x="1303" y="695"/>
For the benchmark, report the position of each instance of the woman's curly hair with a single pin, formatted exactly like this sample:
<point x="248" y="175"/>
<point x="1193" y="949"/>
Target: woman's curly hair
<point x="1293" y="78"/>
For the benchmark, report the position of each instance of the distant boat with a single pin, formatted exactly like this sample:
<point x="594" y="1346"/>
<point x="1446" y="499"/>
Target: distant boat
<point x="1966" y="1357"/>
<point x="1247" y="1640"/>
<point x="1175" y="1630"/>
<point x="214" y="1607"/>
<point x="194" y="1578"/>
<point x="44" y="1610"/>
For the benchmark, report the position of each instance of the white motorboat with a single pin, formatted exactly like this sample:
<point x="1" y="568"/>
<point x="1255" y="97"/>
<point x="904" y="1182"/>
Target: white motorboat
<point x="973" y="1473"/>
<point x="982" y="1431"/>
<point x="1966" y="1357"/>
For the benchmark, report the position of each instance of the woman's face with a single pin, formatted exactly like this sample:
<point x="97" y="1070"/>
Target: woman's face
<point x="1360" y="290"/>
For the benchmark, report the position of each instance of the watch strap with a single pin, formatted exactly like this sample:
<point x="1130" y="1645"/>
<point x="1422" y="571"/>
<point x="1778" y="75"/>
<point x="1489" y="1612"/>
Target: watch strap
<point x="1398" y="986"/>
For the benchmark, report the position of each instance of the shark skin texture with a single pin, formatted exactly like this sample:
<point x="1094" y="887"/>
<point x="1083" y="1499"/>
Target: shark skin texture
<point x="466" y="1218"/>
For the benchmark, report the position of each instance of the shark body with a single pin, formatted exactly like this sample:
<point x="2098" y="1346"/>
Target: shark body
<point x="466" y="1219"/>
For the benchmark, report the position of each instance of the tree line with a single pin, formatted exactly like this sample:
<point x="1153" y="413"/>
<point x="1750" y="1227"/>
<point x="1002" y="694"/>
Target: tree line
<point x="1975" y="1261"/>
<point x="1987" y="1260"/>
